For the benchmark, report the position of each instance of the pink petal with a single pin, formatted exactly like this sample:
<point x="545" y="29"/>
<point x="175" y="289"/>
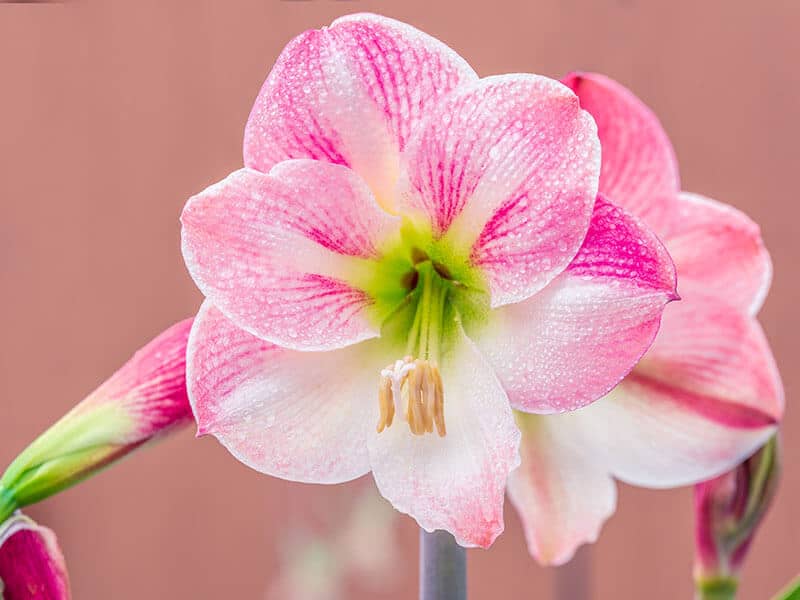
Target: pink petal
<point x="718" y="251"/>
<point x="639" y="172"/>
<point x="507" y="166"/>
<point x="31" y="563"/>
<point x="273" y="252"/>
<point x="575" y="340"/>
<point x="455" y="482"/>
<point x="351" y="94"/>
<point x="561" y="492"/>
<point x="703" y="399"/>
<point x="301" y="416"/>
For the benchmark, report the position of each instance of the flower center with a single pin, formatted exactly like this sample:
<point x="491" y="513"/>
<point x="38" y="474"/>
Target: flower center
<point x="412" y="386"/>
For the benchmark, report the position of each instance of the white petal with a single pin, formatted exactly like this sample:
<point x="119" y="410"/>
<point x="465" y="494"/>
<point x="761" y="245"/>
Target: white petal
<point x="562" y="492"/>
<point x="301" y="416"/>
<point x="456" y="482"/>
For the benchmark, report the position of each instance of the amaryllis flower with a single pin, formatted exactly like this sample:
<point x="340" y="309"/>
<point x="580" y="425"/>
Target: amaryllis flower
<point x="409" y="251"/>
<point x="704" y="397"/>
<point x="728" y="512"/>
<point x="145" y="399"/>
<point x="31" y="562"/>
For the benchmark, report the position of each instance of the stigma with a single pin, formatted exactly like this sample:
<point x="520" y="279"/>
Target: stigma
<point x="412" y="389"/>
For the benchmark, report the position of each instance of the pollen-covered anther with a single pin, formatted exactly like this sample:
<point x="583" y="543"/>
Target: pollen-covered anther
<point x="413" y="389"/>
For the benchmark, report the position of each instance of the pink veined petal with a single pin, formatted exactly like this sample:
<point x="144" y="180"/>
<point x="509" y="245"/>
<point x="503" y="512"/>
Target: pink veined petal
<point x="639" y="171"/>
<point x="576" y="339"/>
<point x="456" y="482"/>
<point x="301" y="416"/>
<point x="508" y="167"/>
<point x="703" y="399"/>
<point x="718" y="251"/>
<point x="351" y="94"/>
<point x="151" y="387"/>
<point x="562" y="493"/>
<point x="273" y="252"/>
<point x="31" y="562"/>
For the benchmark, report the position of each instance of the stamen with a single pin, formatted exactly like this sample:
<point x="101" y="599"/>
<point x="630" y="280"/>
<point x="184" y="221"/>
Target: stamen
<point x="386" y="403"/>
<point x="412" y="389"/>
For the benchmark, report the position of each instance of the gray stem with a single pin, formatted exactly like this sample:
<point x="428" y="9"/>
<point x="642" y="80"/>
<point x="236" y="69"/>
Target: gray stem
<point x="573" y="580"/>
<point x="442" y="567"/>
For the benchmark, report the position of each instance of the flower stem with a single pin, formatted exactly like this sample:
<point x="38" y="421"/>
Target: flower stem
<point x="7" y="504"/>
<point x="573" y="580"/>
<point x="716" y="588"/>
<point x="442" y="567"/>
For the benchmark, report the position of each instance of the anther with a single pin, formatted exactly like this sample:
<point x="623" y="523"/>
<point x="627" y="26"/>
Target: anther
<point x="410" y="280"/>
<point x="386" y="403"/>
<point x="413" y="390"/>
<point x="442" y="270"/>
<point x="418" y="256"/>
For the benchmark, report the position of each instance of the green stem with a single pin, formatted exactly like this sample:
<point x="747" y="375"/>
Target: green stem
<point x="7" y="504"/>
<point x="716" y="588"/>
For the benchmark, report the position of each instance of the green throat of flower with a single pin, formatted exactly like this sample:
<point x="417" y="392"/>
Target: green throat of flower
<point x="425" y="292"/>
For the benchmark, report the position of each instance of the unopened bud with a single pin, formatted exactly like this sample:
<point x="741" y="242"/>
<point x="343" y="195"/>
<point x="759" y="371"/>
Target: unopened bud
<point x="31" y="563"/>
<point x="728" y="511"/>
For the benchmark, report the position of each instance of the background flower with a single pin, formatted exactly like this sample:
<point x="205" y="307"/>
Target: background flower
<point x="704" y="397"/>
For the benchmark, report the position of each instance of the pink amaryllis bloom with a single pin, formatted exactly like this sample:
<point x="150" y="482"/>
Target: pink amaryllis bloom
<point x="31" y="563"/>
<point x="143" y="400"/>
<point x="704" y="397"/>
<point x="409" y="252"/>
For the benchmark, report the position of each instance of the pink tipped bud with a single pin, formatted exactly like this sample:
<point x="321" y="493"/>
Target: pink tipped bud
<point x="144" y="399"/>
<point x="31" y="563"/>
<point x="728" y="511"/>
<point x="150" y="388"/>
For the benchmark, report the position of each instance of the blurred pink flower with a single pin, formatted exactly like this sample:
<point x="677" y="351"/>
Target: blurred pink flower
<point x="728" y="511"/>
<point x="31" y="563"/>
<point x="410" y="244"/>
<point x="323" y="565"/>
<point x="143" y="400"/>
<point x="704" y="397"/>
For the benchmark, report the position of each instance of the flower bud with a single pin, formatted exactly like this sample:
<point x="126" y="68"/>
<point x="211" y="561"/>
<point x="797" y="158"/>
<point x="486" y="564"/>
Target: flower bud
<point x="144" y="399"/>
<point x="728" y="511"/>
<point x="31" y="563"/>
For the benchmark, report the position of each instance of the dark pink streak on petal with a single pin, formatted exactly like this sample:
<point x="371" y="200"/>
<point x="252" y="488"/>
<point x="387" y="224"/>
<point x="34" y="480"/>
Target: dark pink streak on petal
<point x="403" y="71"/>
<point x="712" y="408"/>
<point x="257" y="245"/>
<point x="618" y="246"/>
<point x="297" y="79"/>
<point x="351" y="94"/>
<point x="709" y="349"/>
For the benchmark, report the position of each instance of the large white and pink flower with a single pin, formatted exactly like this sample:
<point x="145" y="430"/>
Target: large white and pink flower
<point x="704" y="397"/>
<point x="409" y="252"/>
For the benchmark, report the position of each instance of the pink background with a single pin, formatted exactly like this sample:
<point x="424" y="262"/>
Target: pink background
<point x="112" y="113"/>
